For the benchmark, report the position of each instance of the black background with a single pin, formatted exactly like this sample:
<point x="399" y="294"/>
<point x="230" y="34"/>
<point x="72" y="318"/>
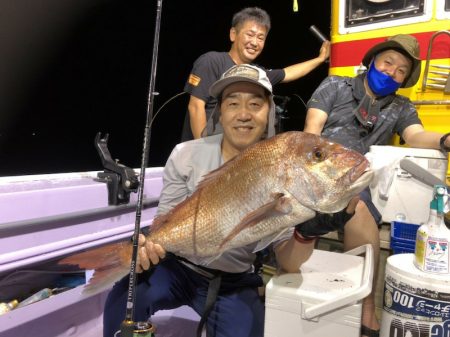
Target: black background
<point x="72" y="68"/>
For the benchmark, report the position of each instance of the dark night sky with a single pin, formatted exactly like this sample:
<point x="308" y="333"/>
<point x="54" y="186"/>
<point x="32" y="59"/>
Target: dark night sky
<point x="72" y="68"/>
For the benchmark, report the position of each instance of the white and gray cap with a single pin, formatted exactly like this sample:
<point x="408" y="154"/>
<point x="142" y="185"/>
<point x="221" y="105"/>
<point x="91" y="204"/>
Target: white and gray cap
<point x="240" y="73"/>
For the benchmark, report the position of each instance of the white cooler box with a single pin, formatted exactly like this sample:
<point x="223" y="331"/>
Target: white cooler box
<point x="324" y="299"/>
<point x="399" y="195"/>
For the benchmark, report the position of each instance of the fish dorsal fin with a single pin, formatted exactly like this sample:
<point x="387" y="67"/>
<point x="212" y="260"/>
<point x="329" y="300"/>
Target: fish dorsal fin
<point x="214" y="173"/>
<point x="280" y="205"/>
<point x="268" y="240"/>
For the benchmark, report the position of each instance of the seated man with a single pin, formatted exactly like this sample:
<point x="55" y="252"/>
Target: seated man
<point x="363" y="111"/>
<point x="246" y="107"/>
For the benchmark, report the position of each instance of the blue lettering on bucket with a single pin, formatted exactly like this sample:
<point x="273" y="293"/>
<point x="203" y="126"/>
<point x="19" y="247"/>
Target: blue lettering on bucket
<point x="411" y="306"/>
<point x="400" y="328"/>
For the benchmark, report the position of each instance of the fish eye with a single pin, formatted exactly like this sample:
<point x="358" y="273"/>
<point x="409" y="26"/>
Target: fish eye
<point x="318" y="154"/>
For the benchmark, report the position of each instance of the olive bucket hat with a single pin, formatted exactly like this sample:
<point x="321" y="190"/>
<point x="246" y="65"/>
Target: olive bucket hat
<point x="405" y="44"/>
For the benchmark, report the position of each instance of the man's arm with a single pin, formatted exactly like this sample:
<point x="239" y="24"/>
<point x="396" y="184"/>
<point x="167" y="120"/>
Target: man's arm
<point x="416" y="136"/>
<point x="291" y="254"/>
<point x="315" y="121"/>
<point x="197" y="115"/>
<point x="298" y="70"/>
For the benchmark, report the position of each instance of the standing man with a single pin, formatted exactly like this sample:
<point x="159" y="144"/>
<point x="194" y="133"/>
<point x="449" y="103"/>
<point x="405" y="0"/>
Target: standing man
<point x="363" y="111"/>
<point x="246" y="107"/>
<point x="248" y="33"/>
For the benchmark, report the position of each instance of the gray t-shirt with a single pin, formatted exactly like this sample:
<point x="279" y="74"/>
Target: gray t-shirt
<point x="185" y="168"/>
<point x="335" y="97"/>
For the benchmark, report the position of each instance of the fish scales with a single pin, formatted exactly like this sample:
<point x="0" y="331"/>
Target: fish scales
<point x="244" y="186"/>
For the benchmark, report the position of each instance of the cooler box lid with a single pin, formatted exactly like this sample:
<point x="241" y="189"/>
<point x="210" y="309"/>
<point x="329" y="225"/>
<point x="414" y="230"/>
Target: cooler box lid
<point x="397" y="194"/>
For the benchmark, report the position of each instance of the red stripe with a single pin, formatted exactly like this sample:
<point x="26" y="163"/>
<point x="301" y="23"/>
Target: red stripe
<point x="345" y="54"/>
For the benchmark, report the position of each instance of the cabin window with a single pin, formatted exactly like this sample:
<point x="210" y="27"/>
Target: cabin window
<point x="359" y="12"/>
<point x="442" y="9"/>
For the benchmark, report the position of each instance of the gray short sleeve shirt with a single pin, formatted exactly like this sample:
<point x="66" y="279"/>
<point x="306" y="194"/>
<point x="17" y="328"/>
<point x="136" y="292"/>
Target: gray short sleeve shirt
<point x="185" y="168"/>
<point x="335" y="97"/>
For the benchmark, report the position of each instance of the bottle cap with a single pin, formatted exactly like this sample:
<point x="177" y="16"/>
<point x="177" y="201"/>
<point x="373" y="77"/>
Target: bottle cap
<point x="440" y="199"/>
<point x="12" y="304"/>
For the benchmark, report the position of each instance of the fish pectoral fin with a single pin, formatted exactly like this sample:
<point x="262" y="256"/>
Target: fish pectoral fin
<point x="263" y="243"/>
<point x="279" y="206"/>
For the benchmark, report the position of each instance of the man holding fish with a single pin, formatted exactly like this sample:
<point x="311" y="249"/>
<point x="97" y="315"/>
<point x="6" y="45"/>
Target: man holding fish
<point x="243" y="195"/>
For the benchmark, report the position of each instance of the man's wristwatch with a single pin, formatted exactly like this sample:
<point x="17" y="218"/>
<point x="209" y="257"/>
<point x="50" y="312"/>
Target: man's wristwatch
<point x="442" y="145"/>
<point x="303" y="239"/>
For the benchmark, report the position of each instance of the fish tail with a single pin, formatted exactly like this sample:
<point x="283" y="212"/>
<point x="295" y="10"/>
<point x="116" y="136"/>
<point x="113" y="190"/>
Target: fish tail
<point x="110" y="263"/>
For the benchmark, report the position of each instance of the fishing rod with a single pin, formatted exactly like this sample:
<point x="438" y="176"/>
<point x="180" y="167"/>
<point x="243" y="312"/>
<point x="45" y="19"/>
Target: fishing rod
<point x="128" y="327"/>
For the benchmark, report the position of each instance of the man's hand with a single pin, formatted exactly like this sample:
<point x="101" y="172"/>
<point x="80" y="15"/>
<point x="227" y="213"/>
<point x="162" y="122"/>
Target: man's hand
<point x="445" y="142"/>
<point x="322" y="224"/>
<point x="324" y="52"/>
<point x="149" y="254"/>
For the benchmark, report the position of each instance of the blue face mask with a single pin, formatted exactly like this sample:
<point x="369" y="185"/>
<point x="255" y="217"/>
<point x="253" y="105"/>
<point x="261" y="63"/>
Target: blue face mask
<point x="380" y="83"/>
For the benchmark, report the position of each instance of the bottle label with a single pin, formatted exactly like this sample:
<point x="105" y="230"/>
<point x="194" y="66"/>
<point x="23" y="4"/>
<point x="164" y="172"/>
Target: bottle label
<point x="436" y="256"/>
<point x="420" y="251"/>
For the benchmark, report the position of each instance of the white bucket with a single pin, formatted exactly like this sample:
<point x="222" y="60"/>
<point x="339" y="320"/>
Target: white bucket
<point x="416" y="304"/>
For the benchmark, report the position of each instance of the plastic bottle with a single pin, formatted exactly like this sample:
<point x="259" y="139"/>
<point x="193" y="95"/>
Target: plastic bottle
<point x="8" y="306"/>
<point x="432" y="240"/>
<point x="40" y="295"/>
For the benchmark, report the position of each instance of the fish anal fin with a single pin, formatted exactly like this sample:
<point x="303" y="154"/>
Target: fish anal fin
<point x="110" y="263"/>
<point x="280" y="205"/>
<point x="105" y="278"/>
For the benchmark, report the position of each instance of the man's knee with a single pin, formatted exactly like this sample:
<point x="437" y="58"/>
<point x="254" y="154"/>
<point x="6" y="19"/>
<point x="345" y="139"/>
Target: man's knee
<point x="362" y="227"/>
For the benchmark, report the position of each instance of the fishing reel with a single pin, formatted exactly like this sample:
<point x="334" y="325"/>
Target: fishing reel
<point x="137" y="329"/>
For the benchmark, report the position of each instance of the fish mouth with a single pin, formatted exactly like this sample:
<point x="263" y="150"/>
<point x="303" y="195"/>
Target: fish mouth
<point x="359" y="175"/>
<point x="361" y="178"/>
<point x="365" y="175"/>
<point x="358" y="170"/>
<point x="362" y="181"/>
